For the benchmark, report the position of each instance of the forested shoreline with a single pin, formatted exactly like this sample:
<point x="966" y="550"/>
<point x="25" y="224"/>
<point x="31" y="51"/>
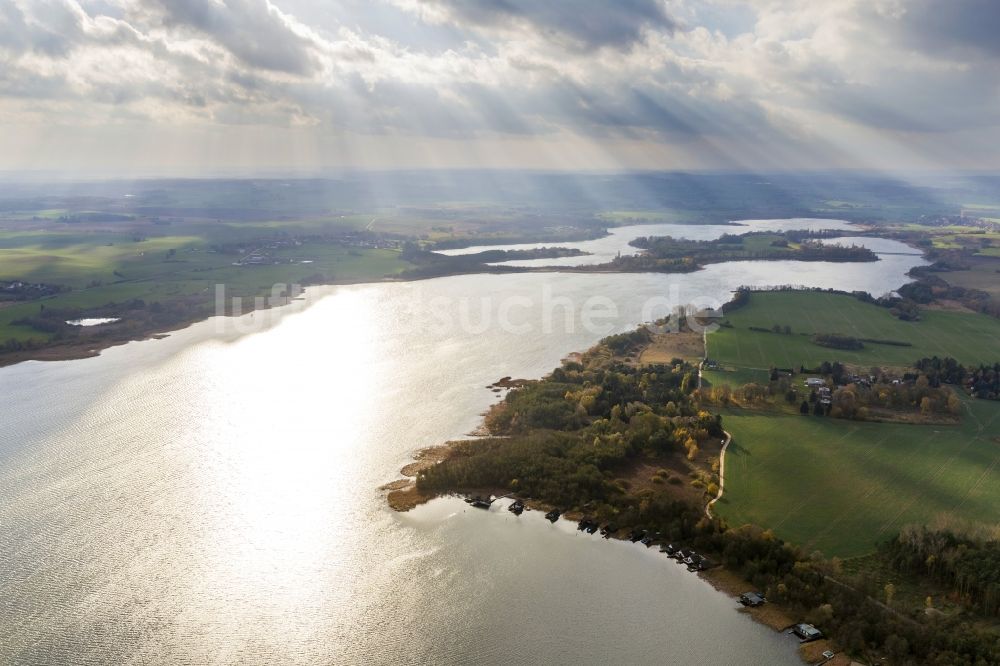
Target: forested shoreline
<point x="574" y="440"/>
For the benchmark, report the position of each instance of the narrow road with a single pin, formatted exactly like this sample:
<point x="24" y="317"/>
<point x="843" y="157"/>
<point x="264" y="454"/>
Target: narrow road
<point x="725" y="444"/>
<point x="722" y="475"/>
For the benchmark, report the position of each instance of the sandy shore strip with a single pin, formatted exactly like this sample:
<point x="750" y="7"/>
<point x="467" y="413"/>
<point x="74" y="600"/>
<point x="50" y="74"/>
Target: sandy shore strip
<point x="730" y="583"/>
<point x="774" y="617"/>
<point x="402" y="493"/>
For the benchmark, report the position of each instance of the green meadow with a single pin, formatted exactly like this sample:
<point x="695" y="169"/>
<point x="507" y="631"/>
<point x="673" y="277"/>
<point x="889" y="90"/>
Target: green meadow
<point x="102" y="267"/>
<point x="841" y="487"/>
<point x="971" y="338"/>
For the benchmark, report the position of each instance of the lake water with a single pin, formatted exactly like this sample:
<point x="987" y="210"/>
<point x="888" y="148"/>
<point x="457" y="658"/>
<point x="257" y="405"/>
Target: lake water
<point x="604" y="249"/>
<point x="211" y="497"/>
<point x="92" y="321"/>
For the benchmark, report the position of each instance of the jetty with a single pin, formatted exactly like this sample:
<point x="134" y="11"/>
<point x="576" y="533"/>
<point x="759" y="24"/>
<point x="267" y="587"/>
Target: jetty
<point x="485" y="502"/>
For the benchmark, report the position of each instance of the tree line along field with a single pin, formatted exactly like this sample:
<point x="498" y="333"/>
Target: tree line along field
<point x="970" y="338"/>
<point x="841" y="487"/>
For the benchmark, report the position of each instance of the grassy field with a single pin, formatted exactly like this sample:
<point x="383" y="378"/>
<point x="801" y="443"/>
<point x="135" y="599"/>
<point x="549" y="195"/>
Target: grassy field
<point x="971" y="338"/>
<point x="76" y="259"/>
<point x="102" y="267"/>
<point x="975" y="240"/>
<point x="841" y="487"/>
<point x="735" y="376"/>
<point x="983" y="274"/>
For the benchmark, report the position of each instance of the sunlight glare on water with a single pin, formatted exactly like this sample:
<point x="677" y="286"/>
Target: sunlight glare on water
<point x="212" y="497"/>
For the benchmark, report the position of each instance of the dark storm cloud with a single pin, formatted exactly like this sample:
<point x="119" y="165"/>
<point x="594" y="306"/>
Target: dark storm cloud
<point x="934" y="103"/>
<point x="624" y="108"/>
<point x="953" y="25"/>
<point x="589" y="24"/>
<point x="252" y="30"/>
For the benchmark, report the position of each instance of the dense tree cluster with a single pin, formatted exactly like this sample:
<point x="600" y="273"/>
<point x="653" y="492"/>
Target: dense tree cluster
<point x="982" y="381"/>
<point x="942" y="370"/>
<point x="835" y="370"/>
<point x="564" y="437"/>
<point x="930" y="287"/>
<point x="848" y="608"/>
<point x="904" y="396"/>
<point x="853" y="397"/>
<point x="625" y="343"/>
<point x="19" y="290"/>
<point x="968" y="565"/>
<point x="740" y="298"/>
<point x="800" y="235"/>
<point x="664" y="253"/>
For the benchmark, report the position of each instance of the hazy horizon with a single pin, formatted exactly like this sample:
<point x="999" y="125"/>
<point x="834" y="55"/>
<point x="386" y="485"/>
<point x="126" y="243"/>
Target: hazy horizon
<point x="915" y="177"/>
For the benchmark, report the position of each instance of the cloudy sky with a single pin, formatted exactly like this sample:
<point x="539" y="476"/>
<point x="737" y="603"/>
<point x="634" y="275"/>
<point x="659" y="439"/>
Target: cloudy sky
<point x="203" y="86"/>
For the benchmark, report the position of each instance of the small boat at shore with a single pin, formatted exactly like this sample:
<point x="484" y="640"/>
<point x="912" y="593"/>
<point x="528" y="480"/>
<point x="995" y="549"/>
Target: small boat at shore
<point x="479" y="502"/>
<point x="516" y="507"/>
<point x="697" y="562"/>
<point x="552" y="516"/>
